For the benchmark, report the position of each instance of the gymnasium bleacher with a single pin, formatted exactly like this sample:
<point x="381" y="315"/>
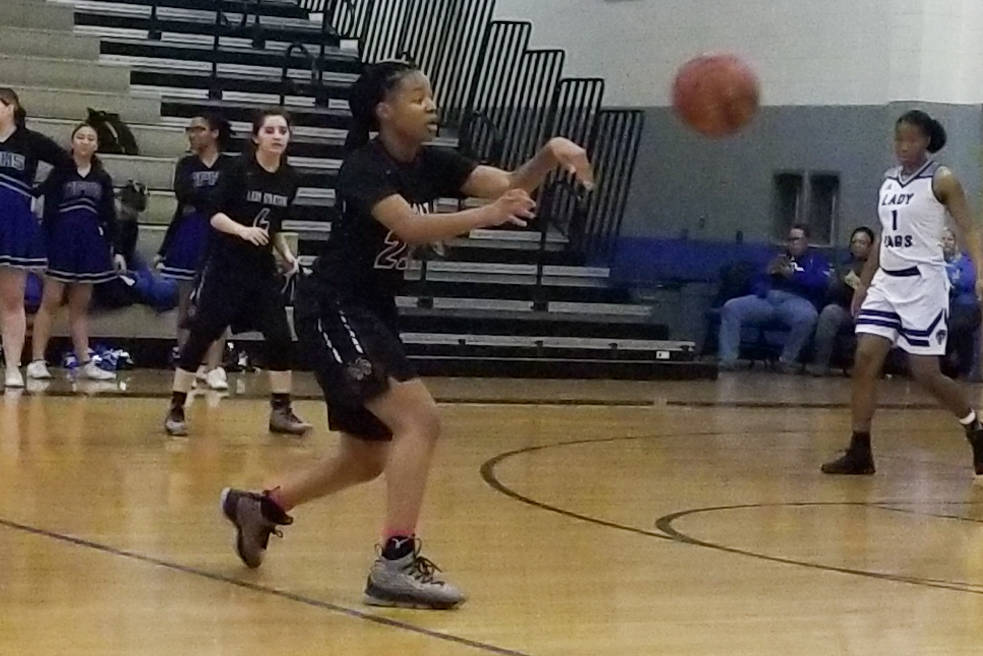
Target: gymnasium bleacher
<point x="537" y="302"/>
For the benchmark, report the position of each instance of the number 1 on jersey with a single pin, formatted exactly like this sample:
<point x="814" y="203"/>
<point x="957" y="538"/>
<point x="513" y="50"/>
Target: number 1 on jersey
<point x="894" y="220"/>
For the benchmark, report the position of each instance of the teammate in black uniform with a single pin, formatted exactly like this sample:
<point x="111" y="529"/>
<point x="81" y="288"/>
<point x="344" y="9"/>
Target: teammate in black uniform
<point x="346" y="320"/>
<point x="185" y="245"/>
<point x="21" y="242"/>
<point x="238" y="284"/>
<point x="80" y="234"/>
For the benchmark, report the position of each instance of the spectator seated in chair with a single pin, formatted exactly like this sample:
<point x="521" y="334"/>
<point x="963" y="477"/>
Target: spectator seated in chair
<point x="964" y="309"/>
<point x="792" y="284"/>
<point x="835" y="317"/>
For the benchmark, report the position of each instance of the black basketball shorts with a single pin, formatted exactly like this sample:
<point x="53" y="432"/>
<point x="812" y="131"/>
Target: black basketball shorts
<point x="354" y="352"/>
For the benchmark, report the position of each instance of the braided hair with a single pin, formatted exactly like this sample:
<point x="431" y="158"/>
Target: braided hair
<point x="370" y="89"/>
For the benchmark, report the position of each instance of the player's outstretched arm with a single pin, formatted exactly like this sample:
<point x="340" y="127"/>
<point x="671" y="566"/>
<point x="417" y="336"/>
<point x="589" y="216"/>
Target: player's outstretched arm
<point x="492" y="182"/>
<point x="514" y="206"/>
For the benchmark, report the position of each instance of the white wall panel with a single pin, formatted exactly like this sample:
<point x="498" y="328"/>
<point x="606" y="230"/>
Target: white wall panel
<point x="834" y="52"/>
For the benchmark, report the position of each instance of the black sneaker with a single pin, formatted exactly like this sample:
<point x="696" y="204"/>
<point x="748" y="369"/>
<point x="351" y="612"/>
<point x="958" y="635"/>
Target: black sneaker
<point x="853" y="462"/>
<point x="975" y="437"/>
<point x="174" y="423"/>
<point x="255" y="517"/>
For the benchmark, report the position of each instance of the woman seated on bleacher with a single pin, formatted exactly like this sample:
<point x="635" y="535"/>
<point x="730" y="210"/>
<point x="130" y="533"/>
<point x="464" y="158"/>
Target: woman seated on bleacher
<point x="964" y="309"/>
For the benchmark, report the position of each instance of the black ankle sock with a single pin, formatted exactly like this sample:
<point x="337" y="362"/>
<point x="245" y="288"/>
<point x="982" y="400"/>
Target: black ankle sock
<point x="178" y="399"/>
<point x="973" y="427"/>
<point x="278" y="401"/>
<point x="398" y="546"/>
<point x="860" y="440"/>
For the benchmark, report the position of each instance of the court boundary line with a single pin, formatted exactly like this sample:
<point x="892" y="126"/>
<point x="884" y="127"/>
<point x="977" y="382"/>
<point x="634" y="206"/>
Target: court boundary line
<point x="461" y="400"/>
<point x="665" y="524"/>
<point x="666" y="531"/>
<point x="256" y="587"/>
<point x="448" y="400"/>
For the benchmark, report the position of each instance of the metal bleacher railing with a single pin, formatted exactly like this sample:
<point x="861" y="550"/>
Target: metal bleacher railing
<point x="501" y="98"/>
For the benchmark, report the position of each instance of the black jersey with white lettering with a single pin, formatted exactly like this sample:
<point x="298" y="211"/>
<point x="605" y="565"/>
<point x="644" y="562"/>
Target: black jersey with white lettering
<point x="195" y="187"/>
<point x="252" y="196"/>
<point x="363" y="259"/>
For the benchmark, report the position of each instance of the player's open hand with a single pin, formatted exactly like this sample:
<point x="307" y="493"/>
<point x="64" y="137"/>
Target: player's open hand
<point x="515" y="206"/>
<point x="573" y="159"/>
<point x="254" y="235"/>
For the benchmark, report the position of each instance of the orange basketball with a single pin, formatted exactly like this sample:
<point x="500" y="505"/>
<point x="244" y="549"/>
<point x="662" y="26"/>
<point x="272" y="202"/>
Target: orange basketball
<point x="716" y="95"/>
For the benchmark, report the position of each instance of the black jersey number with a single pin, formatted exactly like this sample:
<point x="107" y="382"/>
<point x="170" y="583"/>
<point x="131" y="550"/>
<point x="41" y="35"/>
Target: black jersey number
<point x="262" y="219"/>
<point x="894" y="220"/>
<point x="394" y="256"/>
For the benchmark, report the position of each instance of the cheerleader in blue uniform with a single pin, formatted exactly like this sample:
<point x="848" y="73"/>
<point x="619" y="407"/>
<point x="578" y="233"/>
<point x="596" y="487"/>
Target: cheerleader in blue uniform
<point x="185" y="244"/>
<point x="21" y="241"/>
<point x="80" y="232"/>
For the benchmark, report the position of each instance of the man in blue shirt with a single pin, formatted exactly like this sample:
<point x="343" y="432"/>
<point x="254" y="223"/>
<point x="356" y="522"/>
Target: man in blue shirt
<point x="790" y="289"/>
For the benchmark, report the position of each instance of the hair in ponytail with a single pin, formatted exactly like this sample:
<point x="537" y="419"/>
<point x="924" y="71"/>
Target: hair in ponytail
<point x="370" y="89"/>
<point x="218" y="123"/>
<point x="929" y="127"/>
<point x="9" y="97"/>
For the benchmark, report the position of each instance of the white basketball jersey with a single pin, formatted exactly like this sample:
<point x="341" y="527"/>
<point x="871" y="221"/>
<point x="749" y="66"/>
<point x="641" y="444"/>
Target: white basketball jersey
<point x="912" y="219"/>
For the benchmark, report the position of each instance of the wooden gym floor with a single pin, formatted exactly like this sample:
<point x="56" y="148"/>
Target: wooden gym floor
<point x="618" y="519"/>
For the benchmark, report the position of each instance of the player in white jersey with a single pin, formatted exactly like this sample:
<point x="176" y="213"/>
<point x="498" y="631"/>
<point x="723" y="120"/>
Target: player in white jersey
<point x="903" y="298"/>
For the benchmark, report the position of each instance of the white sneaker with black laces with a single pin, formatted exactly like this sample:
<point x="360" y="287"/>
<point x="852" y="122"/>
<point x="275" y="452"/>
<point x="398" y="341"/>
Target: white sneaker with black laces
<point x="410" y="582"/>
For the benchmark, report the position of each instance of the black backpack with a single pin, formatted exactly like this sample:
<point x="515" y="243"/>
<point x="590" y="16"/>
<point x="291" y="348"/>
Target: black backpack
<point x="115" y="136"/>
<point x="133" y="196"/>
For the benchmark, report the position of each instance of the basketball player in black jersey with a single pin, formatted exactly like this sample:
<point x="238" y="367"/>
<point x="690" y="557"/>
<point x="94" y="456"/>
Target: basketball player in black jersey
<point x="185" y="247"/>
<point x="346" y="320"/>
<point x="238" y="283"/>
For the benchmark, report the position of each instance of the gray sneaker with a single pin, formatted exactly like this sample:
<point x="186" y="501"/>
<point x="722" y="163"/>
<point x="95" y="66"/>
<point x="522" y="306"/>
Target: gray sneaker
<point x="410" y="582"/>
<point x="283" y="420"/>
<point x="255" y="517"/>
<point x="174" y="423"/>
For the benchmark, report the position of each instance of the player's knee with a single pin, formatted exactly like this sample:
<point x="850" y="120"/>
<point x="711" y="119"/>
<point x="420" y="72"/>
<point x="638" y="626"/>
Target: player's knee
<point x="50" y="302"/>
<point x="426" y="423"/>
<point x="866" y="361"/>
<point x="11" y="303"/>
